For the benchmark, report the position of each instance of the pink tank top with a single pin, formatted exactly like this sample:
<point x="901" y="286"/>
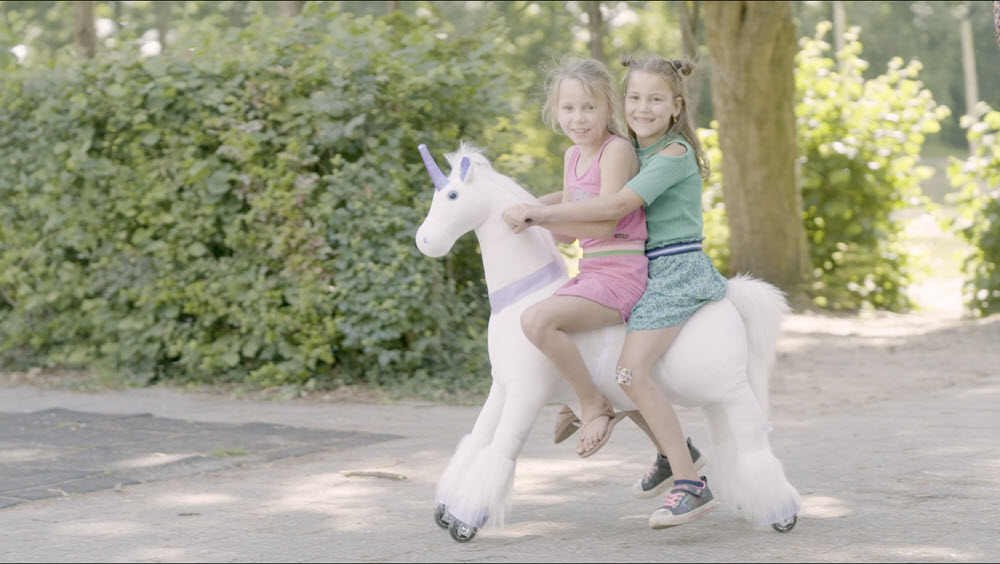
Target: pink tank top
<point x="630" y="234"/>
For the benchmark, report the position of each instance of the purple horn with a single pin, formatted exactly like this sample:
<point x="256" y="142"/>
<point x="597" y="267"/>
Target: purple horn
<point x="437" y="177"/>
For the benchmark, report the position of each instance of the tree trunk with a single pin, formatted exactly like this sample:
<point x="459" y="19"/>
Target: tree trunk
<point x="86" y="36"/>
<point x="968" y="66"/>
<point x="996" y="19"/>
<point x="839" y="25"/>
<point x="689" y="17"/>
<point x="753" y="46"/>
<point x="392" y="5"/>
<point x="290" y="8"/>
<point x="839" y="29"/>
<point x="235" y="14"/>
<point x="596" y="30"/>
<point x="162" y="11"/>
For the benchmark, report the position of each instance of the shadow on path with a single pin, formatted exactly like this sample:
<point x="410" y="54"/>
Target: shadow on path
<point x="57" y="452"/>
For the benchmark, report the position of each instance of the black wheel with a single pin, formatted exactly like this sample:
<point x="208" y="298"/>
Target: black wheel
<point x="461" y="532"/>
<point x="786" y="525"/>
<point x="442" y="517"/>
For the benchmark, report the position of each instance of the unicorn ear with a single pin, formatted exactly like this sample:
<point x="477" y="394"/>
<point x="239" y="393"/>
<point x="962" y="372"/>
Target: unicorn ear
<point x="463" y="171"/>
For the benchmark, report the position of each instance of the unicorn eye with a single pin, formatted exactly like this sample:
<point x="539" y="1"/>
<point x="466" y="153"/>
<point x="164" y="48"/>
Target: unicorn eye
<point x="452" y="195"/>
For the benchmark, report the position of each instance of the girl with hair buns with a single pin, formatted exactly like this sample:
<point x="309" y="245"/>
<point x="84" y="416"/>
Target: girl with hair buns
<point x="681" y="278"/>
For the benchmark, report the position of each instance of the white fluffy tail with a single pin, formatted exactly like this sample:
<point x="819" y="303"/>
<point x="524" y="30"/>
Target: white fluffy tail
<point x="762" y="307"/>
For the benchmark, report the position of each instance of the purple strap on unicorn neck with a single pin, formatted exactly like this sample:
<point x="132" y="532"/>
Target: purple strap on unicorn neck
<point x="511" y="293"/>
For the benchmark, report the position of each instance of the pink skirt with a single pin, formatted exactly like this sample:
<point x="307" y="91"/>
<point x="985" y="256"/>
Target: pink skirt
<point x="616" y="281"/>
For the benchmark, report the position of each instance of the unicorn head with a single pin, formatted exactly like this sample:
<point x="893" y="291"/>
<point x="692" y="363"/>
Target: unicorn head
<point x="460" y="204"/>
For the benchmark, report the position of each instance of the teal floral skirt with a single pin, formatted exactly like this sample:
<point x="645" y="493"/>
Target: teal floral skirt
<point x="677" y="286"/>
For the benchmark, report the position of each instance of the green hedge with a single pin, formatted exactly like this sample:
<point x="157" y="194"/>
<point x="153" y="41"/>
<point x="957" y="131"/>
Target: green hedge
<point x="245" y="211"/>
<point x="859" y="164"/>
<point x="978" y="199"/>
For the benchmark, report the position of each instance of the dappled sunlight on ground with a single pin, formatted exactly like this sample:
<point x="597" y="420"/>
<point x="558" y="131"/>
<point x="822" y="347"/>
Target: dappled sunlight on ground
<point x="792" y="344"/>
<point x="182" y="500"/>
<point x="823" y="507"/>
<point x="982" y="390"/>
<point x="523" y="529"/>
<point x="99" y="528"/>
<point x="845" y="361"/>
<point x="24" y="454"/>
<point x="155" y="459"/>
<point x="880" y="324"/>
<point x="160" y="554"/>
<point x="543" y="481"/>
<point x="992" y="463"/>
<point x="932" y="553"/>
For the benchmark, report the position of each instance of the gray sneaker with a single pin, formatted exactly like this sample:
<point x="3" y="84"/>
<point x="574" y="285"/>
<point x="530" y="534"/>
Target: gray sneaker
<point x="660" y="477"/>
<point x="687" y="501"/>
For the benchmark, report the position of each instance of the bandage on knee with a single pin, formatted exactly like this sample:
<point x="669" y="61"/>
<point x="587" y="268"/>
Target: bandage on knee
<point x="623" y="375"/>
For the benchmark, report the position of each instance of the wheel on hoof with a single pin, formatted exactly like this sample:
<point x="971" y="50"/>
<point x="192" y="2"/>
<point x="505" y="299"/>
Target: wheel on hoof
<point x="442" y="517"/>
<point x="786" y="525"/>
<point x="461" y="532"/>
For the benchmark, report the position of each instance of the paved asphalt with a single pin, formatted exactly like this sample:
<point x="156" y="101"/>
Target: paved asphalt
<point x="156" y="475"/>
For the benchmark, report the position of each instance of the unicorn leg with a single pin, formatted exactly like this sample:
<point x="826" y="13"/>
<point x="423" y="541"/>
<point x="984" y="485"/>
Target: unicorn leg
<point x="484" y="493"/>
<point x="745" y="471"/>
<point x="470" y="446"/>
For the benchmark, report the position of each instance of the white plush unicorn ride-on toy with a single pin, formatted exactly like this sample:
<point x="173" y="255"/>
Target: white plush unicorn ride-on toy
<point x="720" y="361"/>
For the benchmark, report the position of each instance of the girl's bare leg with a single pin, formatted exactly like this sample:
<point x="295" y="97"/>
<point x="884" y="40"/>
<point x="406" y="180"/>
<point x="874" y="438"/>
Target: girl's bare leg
<point x="546" y="325"/>
<point x="641" y="351"/>
<point x="641" y="423"/>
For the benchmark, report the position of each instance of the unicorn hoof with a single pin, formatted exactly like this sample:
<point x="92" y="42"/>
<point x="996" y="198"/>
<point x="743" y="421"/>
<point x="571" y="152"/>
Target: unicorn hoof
<point x="461" y="532"/>
<point x="786" y="525"/>
<point x="442" y="517"/>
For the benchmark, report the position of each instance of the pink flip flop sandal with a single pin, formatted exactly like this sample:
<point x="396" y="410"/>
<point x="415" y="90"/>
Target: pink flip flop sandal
<point x="613" y="419"/>
<point x="567" y="423"/>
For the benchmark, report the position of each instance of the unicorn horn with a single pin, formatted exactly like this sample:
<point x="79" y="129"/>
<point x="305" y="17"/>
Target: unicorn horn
<point x="437" y="177"/>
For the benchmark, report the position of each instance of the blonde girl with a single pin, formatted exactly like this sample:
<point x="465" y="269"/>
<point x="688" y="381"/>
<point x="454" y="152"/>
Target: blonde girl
<point x="582" y="103"/>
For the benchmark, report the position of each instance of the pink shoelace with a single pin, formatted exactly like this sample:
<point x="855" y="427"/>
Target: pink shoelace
<point x="653" y="470"/>
<point x="649" y="475"/>
<point x="674" y="499"/>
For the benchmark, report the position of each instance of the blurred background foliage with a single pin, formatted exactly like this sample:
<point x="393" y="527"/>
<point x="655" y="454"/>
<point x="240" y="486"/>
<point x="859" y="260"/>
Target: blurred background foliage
<point x="859" y="153"/>
<point x="228" y="191"/>
<point x="977" y="178"/>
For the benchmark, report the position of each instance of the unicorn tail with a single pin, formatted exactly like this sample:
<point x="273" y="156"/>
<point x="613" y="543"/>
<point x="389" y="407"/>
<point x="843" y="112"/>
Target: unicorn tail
<point x="762" y="307"/>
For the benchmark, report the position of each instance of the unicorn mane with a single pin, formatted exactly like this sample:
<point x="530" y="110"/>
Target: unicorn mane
<point x="474" y="154"/>
<point x="477" y="159"/>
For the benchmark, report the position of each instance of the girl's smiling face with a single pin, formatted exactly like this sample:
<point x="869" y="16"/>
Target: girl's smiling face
<point x="650" y="106"/>
<point x="582" y="118"/>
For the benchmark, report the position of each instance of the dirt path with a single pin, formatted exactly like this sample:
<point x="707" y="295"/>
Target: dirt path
<point x="827" y="364"/>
